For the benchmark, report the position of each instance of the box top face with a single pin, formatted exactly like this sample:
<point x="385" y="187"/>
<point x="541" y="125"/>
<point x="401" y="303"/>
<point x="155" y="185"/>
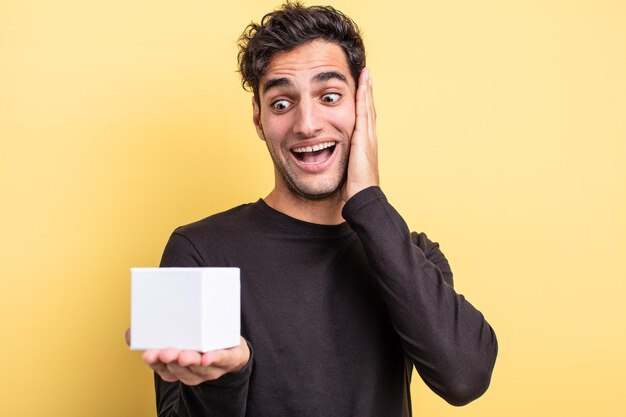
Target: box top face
<point x="190" y="269"/>
<point x="205" y="272"/>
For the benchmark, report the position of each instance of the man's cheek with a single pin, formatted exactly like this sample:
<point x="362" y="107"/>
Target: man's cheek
<point x="347" y="120"/>
<point x="352" y="126"/>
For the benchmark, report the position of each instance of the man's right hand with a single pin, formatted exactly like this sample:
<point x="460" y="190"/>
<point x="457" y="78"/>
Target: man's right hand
<point x="363" y="161"/>
<point x="193" y="368"/>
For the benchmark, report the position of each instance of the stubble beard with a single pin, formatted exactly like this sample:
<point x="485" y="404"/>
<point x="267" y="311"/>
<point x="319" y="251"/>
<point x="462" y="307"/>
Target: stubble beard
<point x="305" y="191"/>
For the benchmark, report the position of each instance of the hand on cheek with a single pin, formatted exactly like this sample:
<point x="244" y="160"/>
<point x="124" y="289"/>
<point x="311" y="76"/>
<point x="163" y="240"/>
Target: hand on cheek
<point x="363" y="162"/>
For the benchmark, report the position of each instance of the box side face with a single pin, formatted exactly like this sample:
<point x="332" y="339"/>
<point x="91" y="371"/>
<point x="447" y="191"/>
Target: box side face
<point x="221" y="305"/>
<point x="165" y="308"/>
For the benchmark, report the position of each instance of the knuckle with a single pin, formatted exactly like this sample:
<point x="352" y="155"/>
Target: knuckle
<point x="158" y="367"/>
<point x="208" y="373"/>
<point x="214" y="374"/>
<point x="167" y="377"/>
<point x="191" y="381"/>
<point x="175" y="370"/>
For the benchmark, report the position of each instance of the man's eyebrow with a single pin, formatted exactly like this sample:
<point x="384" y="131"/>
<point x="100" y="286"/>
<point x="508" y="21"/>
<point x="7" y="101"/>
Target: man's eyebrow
<point x="328" y="75"/>
<point x="318" y="78"/>
<point x="276" y="82"/>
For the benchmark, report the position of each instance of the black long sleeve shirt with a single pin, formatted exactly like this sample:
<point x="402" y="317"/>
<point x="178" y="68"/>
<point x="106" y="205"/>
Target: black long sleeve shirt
<point x="336" y="316"/>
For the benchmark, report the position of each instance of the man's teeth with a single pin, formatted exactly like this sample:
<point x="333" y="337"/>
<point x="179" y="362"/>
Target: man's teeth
<point x="314" y="148"/>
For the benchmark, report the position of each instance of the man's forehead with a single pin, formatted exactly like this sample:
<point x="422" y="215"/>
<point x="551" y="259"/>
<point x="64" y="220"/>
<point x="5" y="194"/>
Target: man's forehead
<point x="308" y="60"/>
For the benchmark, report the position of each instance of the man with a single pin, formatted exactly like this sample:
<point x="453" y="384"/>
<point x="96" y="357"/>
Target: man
<point x="339" y="300"/>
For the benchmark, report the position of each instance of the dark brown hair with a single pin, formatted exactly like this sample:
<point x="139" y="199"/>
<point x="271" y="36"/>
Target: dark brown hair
<point x="290" y="26"/>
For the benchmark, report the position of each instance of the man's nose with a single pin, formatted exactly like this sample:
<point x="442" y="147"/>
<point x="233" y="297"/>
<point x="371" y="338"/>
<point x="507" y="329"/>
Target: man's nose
<point x="308" y="119"/>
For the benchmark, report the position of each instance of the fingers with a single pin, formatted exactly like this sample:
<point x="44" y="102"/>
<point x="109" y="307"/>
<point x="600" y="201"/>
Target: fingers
<point x="188" y="366"/>
<point x="362" y="103"/>
<point x="365" y="109"/>
<point x="192" y="375"/>
<point x="189" y="358"/>
<point x="232" y="359"/>
<point x="164" y="372"/>
<point x="151" y="357"/>
<point x="371" y="109"/>
<point x="214" y="358"/>
<point x="177" y="365"/>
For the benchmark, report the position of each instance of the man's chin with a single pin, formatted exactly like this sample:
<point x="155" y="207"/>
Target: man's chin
<point x="318" y="196"/>
<point x="322" y="193"/>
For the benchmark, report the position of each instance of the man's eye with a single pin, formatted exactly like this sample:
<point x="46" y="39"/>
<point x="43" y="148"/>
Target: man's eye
<point x="331" y="97"/>
<point x="281" y="105"/>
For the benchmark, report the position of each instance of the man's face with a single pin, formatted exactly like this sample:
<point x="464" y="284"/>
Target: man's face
<point x="306" y="117"/>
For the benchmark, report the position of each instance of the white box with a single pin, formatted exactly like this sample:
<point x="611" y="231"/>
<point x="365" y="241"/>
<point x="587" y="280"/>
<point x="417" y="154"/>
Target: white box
<point x="185" y="308"/>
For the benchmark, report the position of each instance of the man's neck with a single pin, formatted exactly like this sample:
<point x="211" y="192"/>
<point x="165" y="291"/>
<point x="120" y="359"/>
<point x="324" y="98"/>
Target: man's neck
<point x="324" y="211"/>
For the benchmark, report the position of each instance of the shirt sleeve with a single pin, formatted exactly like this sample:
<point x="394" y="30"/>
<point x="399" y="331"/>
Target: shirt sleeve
<point x="450" y="343"/>
<point x="227" y="395"/>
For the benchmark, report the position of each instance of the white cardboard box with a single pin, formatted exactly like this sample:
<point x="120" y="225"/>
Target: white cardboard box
<point x="185" y="308"/>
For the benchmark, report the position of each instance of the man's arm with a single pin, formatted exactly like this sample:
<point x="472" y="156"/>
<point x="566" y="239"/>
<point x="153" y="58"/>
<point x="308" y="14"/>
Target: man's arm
<point x="451" y="345"/>
<point x="190" y="383"/>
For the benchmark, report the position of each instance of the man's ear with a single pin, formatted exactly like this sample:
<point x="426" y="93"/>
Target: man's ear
<point x="256" y="119"/>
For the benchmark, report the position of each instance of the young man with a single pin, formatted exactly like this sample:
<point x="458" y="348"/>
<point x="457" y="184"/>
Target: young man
<point x="339" y="300"/>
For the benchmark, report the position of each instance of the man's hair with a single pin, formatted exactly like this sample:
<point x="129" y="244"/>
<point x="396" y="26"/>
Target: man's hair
<point x="290" y="26"/>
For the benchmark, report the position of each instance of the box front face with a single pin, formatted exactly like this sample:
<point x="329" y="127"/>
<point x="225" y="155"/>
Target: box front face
<point x="166" y="309"/>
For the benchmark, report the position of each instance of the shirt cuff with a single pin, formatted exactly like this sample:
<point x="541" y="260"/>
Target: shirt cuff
<point x="361" y="199"/>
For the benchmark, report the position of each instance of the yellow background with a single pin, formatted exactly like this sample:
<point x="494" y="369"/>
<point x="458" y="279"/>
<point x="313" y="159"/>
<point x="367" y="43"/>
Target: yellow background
<point x="502" y="135"/>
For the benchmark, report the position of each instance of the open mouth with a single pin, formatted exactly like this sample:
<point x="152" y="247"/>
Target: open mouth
<point x="315" y="154"/>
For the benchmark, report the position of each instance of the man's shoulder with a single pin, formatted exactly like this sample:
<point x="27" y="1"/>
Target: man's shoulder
<point x="210" y="241"/>
<point x="227" y="221"/>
